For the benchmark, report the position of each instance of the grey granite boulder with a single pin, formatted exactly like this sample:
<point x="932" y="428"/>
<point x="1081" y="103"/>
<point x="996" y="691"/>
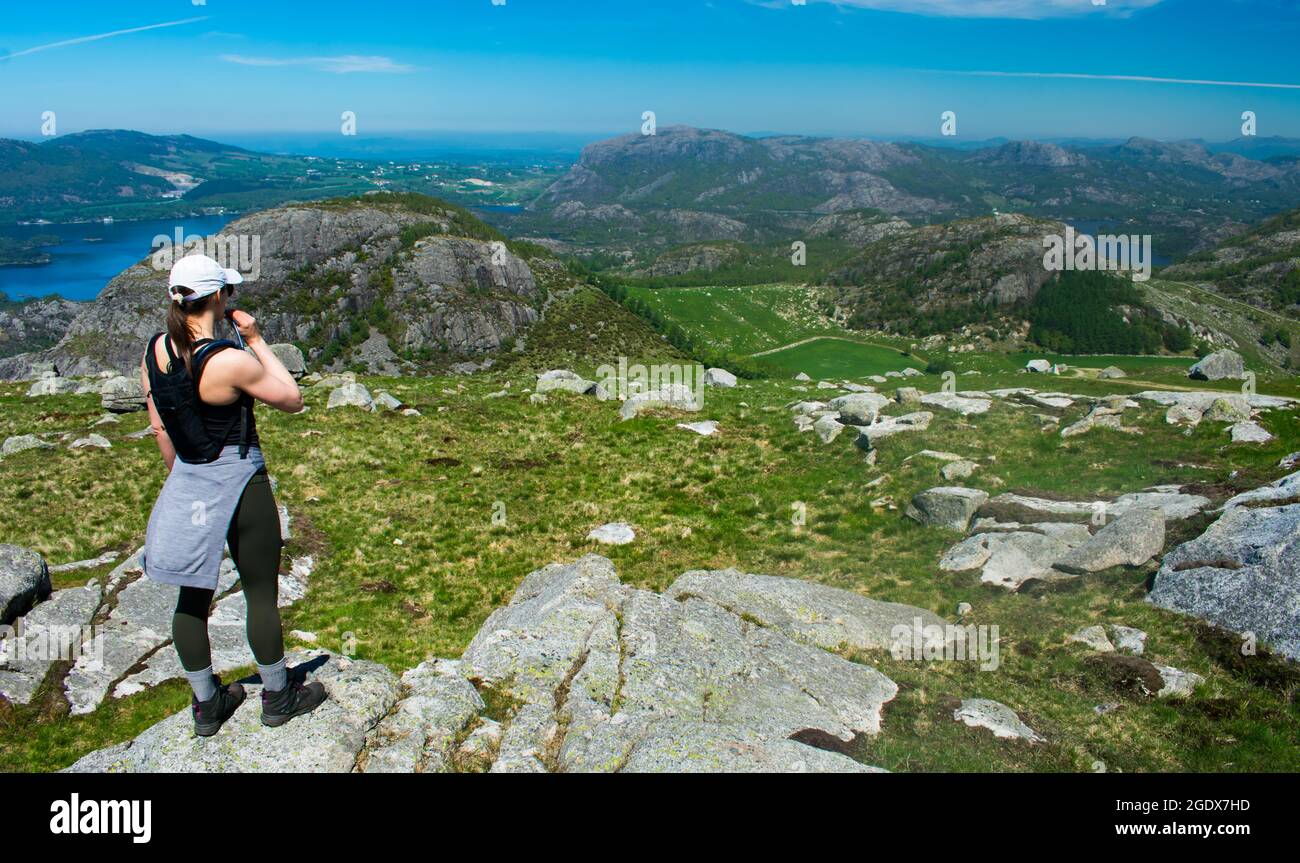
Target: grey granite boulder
<point x="24" y="581"/>
<point x="291" y="357"/>
<point x="858" y="409"/>
<point x="885" y="427"/>
<point x="674" y="396"/>
<point x="52" y="386"/>
<point x="719" y="378"/>
<point x="1130" y="540"/>
<point x="563" y="380"/>
<point x="21" y="443"/>
<point x="996" y="717"/>
<point x="601" y="667"/>
<point x="1249" y="432"/>
<point x="614" y="533"/>
<point x="351" y="395"/>
<point x="436" y="705"/>
<point x="1220" y="365"/>
<point x="1242" y="573"/>
<point x="122" y="395"/>
<point x="947" y="506"/>
<point x="957" y="403"/>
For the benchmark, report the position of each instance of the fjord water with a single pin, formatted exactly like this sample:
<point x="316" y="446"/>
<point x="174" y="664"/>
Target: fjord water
<point x="90" y="254"/>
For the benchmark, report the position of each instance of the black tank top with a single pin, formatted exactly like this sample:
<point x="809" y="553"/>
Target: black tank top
<point x="224" y="419"/>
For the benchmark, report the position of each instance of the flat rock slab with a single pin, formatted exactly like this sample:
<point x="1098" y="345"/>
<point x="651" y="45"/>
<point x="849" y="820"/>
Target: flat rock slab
<point x="815" y="614"/>
<point x="327" y="740"/>
<point x="885" y="427"/>
<point x="1242" y="574"/>
<point x="610" y="664"/>
<point x="960" y="404"/>
<point x="1011" y="558"/>
<point x="614" y="533"/>
<point x="57" y="625"/>
<point x="1173" y="505"/>
<point x="1130" y="540"/>
<point x="996" y="717"/>
<point x="706" y="428"/>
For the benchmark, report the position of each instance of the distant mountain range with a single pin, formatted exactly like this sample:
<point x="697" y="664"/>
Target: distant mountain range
<point x="688" y="185"/>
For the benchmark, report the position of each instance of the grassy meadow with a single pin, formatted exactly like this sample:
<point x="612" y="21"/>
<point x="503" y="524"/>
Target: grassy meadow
<point x="399" y="512"/>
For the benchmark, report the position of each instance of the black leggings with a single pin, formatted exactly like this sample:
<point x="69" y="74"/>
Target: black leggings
<point x="255" y="542"/>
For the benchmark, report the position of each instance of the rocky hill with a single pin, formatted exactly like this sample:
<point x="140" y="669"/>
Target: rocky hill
<point x="913" y="279"/>
<point x="35" y="324"/>
<point x="687" y="185"/>
<point x="373" y="282"/>
<point x="1260" y="267"/>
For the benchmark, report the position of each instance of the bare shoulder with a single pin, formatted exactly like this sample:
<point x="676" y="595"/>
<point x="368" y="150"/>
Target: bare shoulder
<point x="232" y="366"/>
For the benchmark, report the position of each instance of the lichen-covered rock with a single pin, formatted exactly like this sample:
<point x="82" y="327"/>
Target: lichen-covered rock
<point x="563" y="380"/>
<point x="996" y="717"/>
<point x="24" y="581"/>
<point x="351" y="394"/>
<point x="858" y="409"/>
<point x="1130" y="540"/>
<point x="21" y="443"/>
<point x="954" y="402"/>
<point x="419" y="735"/>
<point x="53" y="630"/>
<point x="614" y="533"/>
<point x="675" y="396"/>
<point x="1218" y="366"/>
<point x="719" y="378"/>
<point x="947" y="506"/>
<point x="884" y="427"/>
<point x="1242" y="573"/>
<point x="122" y="394"/>
<point x="292" y="358"/>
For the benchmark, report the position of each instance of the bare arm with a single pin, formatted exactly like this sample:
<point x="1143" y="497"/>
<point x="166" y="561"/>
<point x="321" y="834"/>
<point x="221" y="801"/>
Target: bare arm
<point x="159" y="432"/>
<point x="264" y="378"/>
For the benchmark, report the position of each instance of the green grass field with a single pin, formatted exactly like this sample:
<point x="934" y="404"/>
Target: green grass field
<point x="358" y="483"/>
<point x="833" y="357"/>
<point x="741" y="320"/>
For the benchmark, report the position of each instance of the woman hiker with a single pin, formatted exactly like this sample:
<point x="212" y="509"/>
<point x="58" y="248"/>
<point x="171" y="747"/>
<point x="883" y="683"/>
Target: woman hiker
<point x="200" y="394"/>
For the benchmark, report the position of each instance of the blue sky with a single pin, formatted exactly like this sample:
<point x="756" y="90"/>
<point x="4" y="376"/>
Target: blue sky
<point x="885" y="68"/>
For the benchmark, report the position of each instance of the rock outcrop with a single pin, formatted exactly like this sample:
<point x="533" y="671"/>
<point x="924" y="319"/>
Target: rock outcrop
<point x="723" y="672"/>
<point x="24" y="581"/>
<point x="1243" y="572"/>
<point x="320" y="266"/>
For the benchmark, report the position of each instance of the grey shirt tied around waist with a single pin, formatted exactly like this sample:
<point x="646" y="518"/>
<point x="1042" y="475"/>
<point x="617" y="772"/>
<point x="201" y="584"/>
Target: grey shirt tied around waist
<point x="186" y="538"/>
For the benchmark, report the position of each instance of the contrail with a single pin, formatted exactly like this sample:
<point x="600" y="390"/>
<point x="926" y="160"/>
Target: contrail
<point x="1139" y="78"/>
<point x="98" y="36"/>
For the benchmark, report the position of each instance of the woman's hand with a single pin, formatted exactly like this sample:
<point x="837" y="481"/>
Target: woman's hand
<point x="246" y="324"/>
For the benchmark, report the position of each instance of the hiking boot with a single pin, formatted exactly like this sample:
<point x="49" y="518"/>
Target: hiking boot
<point x="210" y="715"/>
<point x="294" y="700"/>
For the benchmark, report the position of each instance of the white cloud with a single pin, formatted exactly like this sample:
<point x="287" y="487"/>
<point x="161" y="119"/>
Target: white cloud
<point x="991" y="8"/>
<point x="1146" y="79"/>
<point x="342" y="64"/>
<point x="98" y="36"/>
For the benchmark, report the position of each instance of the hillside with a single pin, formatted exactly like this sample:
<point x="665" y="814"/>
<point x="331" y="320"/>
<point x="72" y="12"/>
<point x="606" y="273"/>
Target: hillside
<point x="378" y="282"/>
<point x="1260" y="267"/>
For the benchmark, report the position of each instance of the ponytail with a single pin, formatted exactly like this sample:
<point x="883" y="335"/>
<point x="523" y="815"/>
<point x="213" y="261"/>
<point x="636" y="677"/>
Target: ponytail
<point x="178" y="325"/>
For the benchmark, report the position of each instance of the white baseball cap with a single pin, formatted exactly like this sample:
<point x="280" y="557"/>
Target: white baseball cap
<point x="201" y="275"/>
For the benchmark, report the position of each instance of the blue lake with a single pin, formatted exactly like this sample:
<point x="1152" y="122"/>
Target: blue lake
<point x="90" y="255"/>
